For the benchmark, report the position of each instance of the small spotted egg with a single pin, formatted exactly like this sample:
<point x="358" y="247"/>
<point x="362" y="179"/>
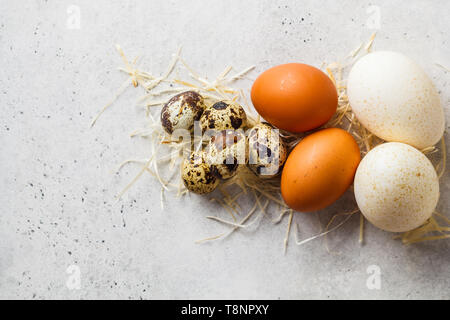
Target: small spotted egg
<point x="197" y="175"/>
<point x="181" y="111"/>
<point x="223" y="115"/>
<point x="396" y="187"/>
<point x="226" y="151"/>
<point x="267" y="151"/>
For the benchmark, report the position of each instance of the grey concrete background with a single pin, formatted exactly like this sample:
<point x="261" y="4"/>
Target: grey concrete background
<point x="58" y="213"/>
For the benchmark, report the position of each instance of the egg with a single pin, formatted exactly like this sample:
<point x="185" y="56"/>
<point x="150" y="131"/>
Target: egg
<point x="395" y="99"/>
<point x="226" y="151"/>
<point x="319" y="169"/>
<point x="181" y="111"/>
<point x="267" y="150"/>
<point x="197" y="175"/>
<point x="295" y="97"/>
<point x="396" y="187"/>
<point x="223" y="115"/>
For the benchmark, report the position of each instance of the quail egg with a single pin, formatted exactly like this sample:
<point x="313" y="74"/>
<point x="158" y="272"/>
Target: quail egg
<point x="197" y="175"/>
<point x="223" y="115"/>
<point x="267" y="151"/>
<point x="226" y="151"/>
<point x="181" y="111"/>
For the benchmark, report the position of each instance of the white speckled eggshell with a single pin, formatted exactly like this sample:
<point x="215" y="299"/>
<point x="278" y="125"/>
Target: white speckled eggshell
<point x="396" y="187"/>
<point x="395" y="99"/>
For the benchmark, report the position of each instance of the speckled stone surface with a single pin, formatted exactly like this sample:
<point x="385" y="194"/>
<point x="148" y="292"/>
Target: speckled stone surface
<point x="62" y="235"/>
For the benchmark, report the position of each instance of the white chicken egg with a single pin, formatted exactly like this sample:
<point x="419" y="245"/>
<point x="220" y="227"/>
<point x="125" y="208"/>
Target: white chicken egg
<point x="395" y="99"/>
<point x="396" y="187"/>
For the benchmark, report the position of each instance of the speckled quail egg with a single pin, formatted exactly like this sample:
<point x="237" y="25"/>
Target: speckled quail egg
<point x="223" y="115"/>
<point x="267" y="151"/>
<point x="181" y="111"/>
<point x="198" y="176"/>
<point x="226" y="151"/>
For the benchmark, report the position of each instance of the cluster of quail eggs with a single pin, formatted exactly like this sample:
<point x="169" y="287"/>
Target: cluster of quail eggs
<point x="228" y="147"/>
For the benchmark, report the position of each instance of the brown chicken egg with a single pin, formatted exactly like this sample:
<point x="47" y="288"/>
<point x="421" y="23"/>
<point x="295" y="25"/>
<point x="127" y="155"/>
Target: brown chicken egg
<point x="295" y="97"/>
<point x="319" y="169"/>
